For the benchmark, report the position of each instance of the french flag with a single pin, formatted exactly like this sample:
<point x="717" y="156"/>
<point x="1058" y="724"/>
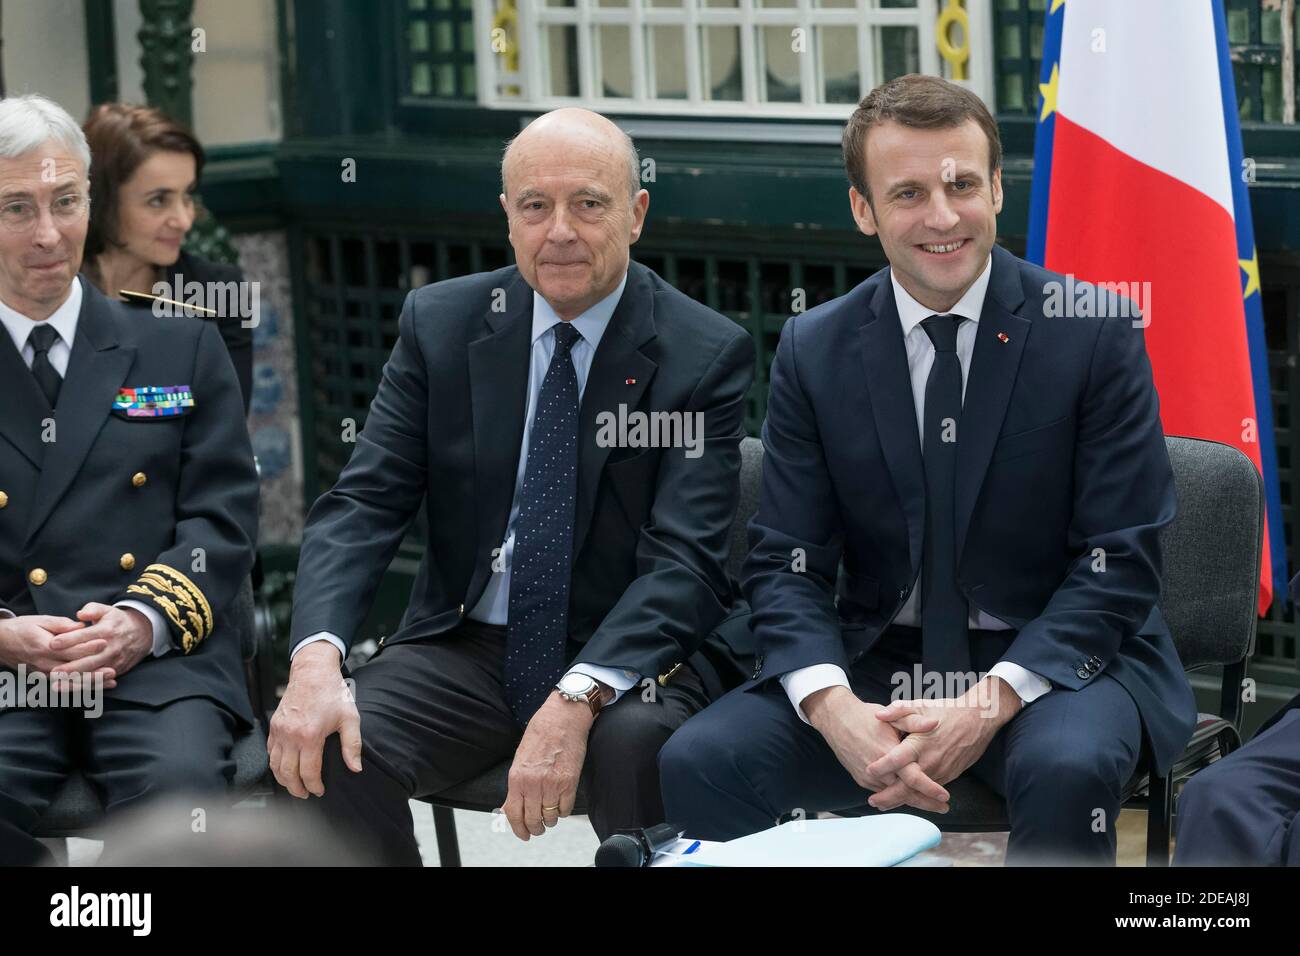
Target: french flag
<point x="1139" y="181"/>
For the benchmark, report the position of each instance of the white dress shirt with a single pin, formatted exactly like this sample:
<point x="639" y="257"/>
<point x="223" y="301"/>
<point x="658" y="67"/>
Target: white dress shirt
<point x="64" y="321"/>
<point x="494" y="605"/>
<point x="801" y="682"/>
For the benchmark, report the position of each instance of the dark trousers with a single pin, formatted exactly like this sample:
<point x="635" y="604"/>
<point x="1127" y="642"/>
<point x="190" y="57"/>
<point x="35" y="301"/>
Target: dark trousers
<point x="434" y="714"/>
<point x="130" y="753"/>
<point x="1061" y="763"/>
<point x="1241" y="810"/>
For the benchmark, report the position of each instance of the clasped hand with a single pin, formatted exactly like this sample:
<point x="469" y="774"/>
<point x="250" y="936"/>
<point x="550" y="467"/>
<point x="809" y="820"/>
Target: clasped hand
<point x="906" y="751"/>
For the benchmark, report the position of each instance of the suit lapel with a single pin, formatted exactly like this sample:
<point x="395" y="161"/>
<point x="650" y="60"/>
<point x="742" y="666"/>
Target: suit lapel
<point x="498" y="376"/>
<point x="890" y="385"/>
<point x="617" y="361"/>
<point x="23" y="404"/>
<point x="993" y="368"/>
<point x="96" y="370"/>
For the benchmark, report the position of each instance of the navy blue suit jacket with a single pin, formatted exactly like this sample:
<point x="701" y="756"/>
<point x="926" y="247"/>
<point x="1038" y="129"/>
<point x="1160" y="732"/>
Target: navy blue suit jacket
<point x="1060" y="453"/>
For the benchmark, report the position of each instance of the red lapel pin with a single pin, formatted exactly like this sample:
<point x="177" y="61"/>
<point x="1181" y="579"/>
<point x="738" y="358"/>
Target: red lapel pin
<point x="630" y="381"/>
<point x="1004" y="338"/>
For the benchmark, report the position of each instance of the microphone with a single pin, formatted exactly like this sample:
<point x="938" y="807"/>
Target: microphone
<point x="637" y="847"/>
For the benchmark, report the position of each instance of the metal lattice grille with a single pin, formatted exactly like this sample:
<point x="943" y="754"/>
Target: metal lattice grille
<point x="353" y="284"/>
<point x="1275" y="659"/>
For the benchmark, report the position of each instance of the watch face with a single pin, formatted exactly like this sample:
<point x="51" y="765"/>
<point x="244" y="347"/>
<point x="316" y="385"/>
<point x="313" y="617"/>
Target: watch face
<point x="575" y="684"/>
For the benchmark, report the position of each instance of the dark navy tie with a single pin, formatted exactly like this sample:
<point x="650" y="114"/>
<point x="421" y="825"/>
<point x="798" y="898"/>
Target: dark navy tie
<point x="43" y="338"/>
<point x="543" y="554"/>
<point x="945" y="639"/>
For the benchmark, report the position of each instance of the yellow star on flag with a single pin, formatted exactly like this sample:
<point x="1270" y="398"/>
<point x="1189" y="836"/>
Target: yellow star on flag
<point x="1251" y="268"/>
<point x="1056" y="5"/>
<point x="1048" y="90"/>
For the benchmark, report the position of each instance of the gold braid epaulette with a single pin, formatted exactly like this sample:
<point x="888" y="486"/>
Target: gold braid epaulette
<point x="167" y="588"/>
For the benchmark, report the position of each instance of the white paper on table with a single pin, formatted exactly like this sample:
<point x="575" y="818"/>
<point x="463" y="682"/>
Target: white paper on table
<point x="884" y="840"/>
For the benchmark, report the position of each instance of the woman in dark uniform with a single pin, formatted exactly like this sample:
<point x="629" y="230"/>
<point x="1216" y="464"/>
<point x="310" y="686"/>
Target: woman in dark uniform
<point x="144" y="172"/>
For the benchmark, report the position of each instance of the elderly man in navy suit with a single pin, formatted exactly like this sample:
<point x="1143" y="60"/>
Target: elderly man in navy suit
<point x="568" y="563"/>
<point x="955" y="560"/>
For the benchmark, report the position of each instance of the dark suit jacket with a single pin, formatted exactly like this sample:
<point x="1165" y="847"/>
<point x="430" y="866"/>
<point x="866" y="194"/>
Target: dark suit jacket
<point x="651" y="525"/>
<point x="1060" y="452"/>
<point x="74" y="511"/>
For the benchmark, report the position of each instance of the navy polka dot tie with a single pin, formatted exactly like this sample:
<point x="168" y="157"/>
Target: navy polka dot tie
<point x="543" y="553"/>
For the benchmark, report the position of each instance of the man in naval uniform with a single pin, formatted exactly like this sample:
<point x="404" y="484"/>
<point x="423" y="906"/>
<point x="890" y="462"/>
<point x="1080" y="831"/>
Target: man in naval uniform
<point x="128" y="512"/>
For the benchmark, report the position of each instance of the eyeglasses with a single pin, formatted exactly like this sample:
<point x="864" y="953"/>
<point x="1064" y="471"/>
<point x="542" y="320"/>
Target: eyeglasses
<point x="20" y="215"/>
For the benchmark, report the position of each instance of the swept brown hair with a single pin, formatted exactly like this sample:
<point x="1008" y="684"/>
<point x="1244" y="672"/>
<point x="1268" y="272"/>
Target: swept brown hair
<point x="920" y="102"/>
<point x="121" y="138"/>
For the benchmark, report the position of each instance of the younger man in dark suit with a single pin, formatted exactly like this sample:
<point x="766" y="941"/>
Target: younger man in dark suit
<point x="959" y="486"/>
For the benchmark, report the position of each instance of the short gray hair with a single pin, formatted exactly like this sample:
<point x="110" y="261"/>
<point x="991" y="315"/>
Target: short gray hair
<point x="633" y="164"/>
<point x="30" y="121"/>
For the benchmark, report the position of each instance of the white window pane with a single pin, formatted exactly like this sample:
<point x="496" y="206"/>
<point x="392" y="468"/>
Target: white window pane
<point x="561" y="65"/>
<point x="720" y="49"/>
<point x="837" y="48"/>
<point x="615" y="59"/>
<point x="898" y="52"/>
<point x="666" y="61"/>
<point x="779" y="66"/>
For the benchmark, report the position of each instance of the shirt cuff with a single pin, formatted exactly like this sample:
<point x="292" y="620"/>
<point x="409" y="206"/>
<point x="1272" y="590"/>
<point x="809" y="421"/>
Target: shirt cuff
<point x="162" y="638"/>
<point x="1027" y="685"/>
<point x="322" y="636"/>
<point x="620" y="680"/>
<point x="801" y="682"/>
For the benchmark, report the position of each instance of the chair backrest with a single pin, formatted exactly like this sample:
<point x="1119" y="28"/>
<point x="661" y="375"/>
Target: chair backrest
<point x="1212" y="548"/>
<point x="751" y="483"/>
<point x="241" y="613"/>
<point x="1212" y="552"/>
